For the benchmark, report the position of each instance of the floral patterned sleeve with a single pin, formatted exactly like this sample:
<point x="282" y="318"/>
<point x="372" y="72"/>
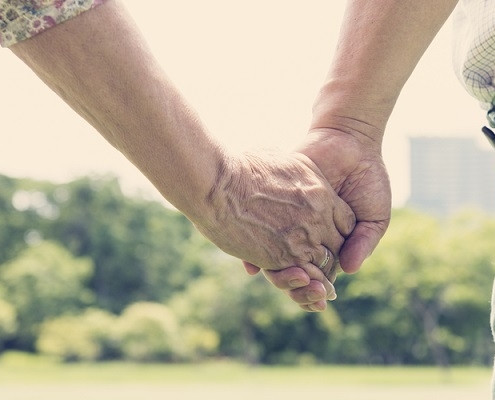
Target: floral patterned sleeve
<point x="22" y="19"/>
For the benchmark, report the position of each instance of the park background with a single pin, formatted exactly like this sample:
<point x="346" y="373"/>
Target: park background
<point x="94" y="266"/>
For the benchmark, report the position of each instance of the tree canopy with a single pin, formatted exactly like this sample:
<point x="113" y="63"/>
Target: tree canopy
<point x="125" y="277"/>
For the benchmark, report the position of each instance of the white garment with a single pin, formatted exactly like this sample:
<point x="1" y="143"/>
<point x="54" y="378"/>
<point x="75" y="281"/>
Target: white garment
<point x="474" y="48"/>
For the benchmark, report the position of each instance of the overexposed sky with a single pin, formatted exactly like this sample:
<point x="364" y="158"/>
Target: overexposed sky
<point x="251" y="70"/>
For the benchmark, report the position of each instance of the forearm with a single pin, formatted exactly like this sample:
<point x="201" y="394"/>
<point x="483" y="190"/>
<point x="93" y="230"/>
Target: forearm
<point x="379" y="46"/>
<point x="98" y="63"/>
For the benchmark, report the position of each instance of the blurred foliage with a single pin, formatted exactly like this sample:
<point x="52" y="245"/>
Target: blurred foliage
<point x="44" y="281"/>
<point x="150" y="332"/>
<point x="423" y="297"/>
<point x="88" y="274"/>
<point x="90" y="336"/>
<point x="8" y="321"/>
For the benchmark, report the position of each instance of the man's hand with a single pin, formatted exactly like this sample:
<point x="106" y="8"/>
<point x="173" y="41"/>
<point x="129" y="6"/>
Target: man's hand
<point x="354" y="168"/>
<point x="369" y="69"/>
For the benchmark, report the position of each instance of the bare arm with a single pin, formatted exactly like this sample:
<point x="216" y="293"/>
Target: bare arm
<point x="379" y="46"/>
<point x="100" y="65"/>
<point x="273" y="211"/>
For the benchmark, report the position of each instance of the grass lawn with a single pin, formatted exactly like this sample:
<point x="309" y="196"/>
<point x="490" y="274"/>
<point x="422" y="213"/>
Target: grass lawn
<point x="23" y="377"/>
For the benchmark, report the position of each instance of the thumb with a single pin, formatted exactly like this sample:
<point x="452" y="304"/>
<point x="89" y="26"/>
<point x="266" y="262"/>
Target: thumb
<point x="360" y="244"/>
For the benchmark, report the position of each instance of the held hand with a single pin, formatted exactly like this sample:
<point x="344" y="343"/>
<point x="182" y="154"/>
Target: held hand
<point x="276" y="212"/>
<point x="303" y="287"/>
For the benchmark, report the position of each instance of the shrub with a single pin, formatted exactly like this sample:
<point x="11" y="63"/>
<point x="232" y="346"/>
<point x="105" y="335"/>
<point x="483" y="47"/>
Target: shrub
<point x="199" y="341"/>
<point x="88" y="337"/>
<point x="150" y="332"/>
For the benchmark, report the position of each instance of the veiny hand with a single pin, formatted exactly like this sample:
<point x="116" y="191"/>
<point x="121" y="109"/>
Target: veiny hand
<point x="279" y="212"/>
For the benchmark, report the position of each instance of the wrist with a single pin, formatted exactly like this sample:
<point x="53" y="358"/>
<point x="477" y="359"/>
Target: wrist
<point x="196" y="187"/>
<point x="215" y="207"/>
<point x="349" y="108"/>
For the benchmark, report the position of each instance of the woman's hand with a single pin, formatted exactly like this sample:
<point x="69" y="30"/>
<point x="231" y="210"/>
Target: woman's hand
<point x="277" y="212"/>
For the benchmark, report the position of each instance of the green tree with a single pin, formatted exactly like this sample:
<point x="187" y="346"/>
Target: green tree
<point x="251" y="318"/>
<point x="43" y="282"/>
<point x="135" y="244"/>
<point x="468" y="250"/>
<point x="423" y="296"/>
<point x="18" y="216"/>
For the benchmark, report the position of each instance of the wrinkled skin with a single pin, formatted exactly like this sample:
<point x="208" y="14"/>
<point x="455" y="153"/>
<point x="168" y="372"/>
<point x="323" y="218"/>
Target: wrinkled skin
<point x="276" y="212"/>
<point x="353" y="166"/>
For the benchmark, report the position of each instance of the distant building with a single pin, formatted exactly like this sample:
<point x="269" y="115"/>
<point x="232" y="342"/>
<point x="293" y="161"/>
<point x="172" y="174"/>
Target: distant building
<point x="448" y="174"/>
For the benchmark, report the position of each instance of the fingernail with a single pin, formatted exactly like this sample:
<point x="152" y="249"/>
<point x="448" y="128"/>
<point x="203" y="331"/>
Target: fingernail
<point x="315" y="308"/>
<point x="296" y="283"/>
<point x="332" y="296"/>
<point x="314" y="296"/>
